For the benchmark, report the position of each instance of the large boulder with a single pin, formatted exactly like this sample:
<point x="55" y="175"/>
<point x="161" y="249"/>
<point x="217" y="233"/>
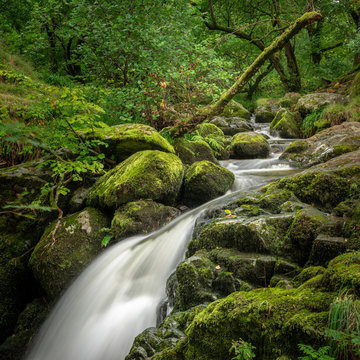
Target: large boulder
<point x="236" y="109"/>
<point x="192" y="151"/>
<point x="207" y="129"/>
<point x="327" y="144"/>
<point x="249" y="145"/>
<point x="66" y="248"/>
<point x="311" y="102"/>
<point x="205" y="181"/>
<point x="147" y="174"/>
<point x="141" y="216"/>
<point x="126" y="139"/>
<point x="286" y="124"/>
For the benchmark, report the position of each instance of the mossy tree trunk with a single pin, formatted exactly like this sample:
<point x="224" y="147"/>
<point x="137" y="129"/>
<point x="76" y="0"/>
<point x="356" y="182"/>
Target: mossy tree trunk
<point x="226" y="97"/>
<point x="277" y="45"/>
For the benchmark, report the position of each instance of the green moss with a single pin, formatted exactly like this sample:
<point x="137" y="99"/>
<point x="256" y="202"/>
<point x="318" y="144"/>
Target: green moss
<point x="127" y="139"/>
<point x="141" y="217"/>
<point x="273" y="320"/>
<point x="192" y="151"/>
<point x="145" y="175"/>
<point x="343" y="274"/>
<point x="286" y="124"/>
<point x="77" y="241"/>
<point x="206" y="129"/>
<point x="248" y="145"/>
<point x="234" y="108"/>
<point x="297" y="146"/>
<point x="307" y="274"/>
<point x="205" y="181"/>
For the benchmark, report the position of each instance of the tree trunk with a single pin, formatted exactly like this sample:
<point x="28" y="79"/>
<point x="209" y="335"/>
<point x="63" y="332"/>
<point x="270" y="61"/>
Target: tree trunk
<point x="226" y="97"/>
<point x="295" y="78"/>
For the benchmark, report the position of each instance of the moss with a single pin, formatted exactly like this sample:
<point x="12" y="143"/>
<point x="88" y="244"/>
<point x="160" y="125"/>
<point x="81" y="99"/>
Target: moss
<point x="273" y="320"/>
<point x="320" y="188"/>
<point x="234" y="108"/>
<point x="343" y="274"/>
<point x="192" y="151"/>
<point x="205" y="181"/>
<point x="249" y="145"/>
<point x="321" y="125"/>
<point x="127" y="139"/>
<point x="307" y="274"/>
<point x="286" y="124"/>
<point x="207" y="129"/>
<point x="141" y="217"/>
<point x="297" y="146"/>
<point x="77" y="241"/>
<point x="145" y="175"/>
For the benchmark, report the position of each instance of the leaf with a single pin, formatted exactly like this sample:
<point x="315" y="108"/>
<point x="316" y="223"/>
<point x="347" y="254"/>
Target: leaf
<point x="105" y="241"/>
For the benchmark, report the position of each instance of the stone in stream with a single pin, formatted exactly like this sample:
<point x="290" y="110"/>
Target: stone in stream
<point x="286" y="124"/>
<point x="249" y="145"/>
<point x="192" y="151"/>
<point x="231" y="126"/>
<point x="205" y="181"/>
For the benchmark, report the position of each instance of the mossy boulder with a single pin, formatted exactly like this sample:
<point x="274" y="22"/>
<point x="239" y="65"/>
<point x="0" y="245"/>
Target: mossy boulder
<point x="249" y="145"/>
<point x="286" y="124"/>
<point x="325" y="145"/>
<point x="59" y="257"/>
<point x="205" y="181"/>
<point x="147" y="174"/>
<point x="192" y="151"/>
<point x="126" y="139"/>
<point x="141" y="216"/>
<point x="207" y="129"/>
<point x="234" y="108"/>
<point x="343" y="273"/>
<point x="311" y="102"/>
<point x="273" y="320"/>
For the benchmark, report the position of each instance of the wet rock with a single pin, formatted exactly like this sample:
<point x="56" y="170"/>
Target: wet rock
<point x="141" y="216"/>
<point x="126" y="139"/>
<point x="147" y="174"/>
<point x="325" y="145"/>
<point x="78" y="199"/>
<point x="58" y="258"/>
<point x="326" y="248"/>
<point x="310" y="103"/>
<point x="205" y="181"/>
<point x="249" y="145"/>
<point x="286" y="124"/>
<point x="207" y="129"/>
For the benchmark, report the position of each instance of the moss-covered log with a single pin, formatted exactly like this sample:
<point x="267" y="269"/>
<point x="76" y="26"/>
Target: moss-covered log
<point x="277" y="45"/>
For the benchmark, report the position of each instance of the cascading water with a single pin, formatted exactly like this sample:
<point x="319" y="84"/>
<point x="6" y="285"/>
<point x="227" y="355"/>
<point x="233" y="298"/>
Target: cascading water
<point x="117" y="296"/>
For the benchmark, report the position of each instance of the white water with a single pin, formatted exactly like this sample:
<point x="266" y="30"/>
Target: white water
<point x="117" y="296"/>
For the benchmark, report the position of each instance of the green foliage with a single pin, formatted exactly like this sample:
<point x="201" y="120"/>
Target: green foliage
<point x="308" y="122"/>
<point x="243" y="350"/>
<point x="344" y="327"/>
<point x="215" y="142"/>
<point x="312" y="354"/>
<point x="108" y="236"/>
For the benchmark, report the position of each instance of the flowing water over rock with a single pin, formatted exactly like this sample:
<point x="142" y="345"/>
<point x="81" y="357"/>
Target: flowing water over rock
<point x="118" y="296"/>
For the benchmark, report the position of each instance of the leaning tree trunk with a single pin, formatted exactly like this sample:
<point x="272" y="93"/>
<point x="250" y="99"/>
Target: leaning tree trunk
<point x="277" y="45"/>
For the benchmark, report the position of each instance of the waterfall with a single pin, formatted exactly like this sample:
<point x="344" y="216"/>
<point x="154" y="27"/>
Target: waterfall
<point x="116" y="297"/>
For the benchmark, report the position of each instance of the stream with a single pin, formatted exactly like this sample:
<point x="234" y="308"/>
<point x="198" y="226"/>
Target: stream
<point x="118" y="295"/>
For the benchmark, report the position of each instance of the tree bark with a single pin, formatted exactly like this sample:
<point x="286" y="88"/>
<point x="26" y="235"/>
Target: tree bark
<point x="226" y="97"/>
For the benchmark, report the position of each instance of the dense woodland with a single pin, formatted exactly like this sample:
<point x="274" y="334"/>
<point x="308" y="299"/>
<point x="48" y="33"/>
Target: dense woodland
<point x="74" y="74"/>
